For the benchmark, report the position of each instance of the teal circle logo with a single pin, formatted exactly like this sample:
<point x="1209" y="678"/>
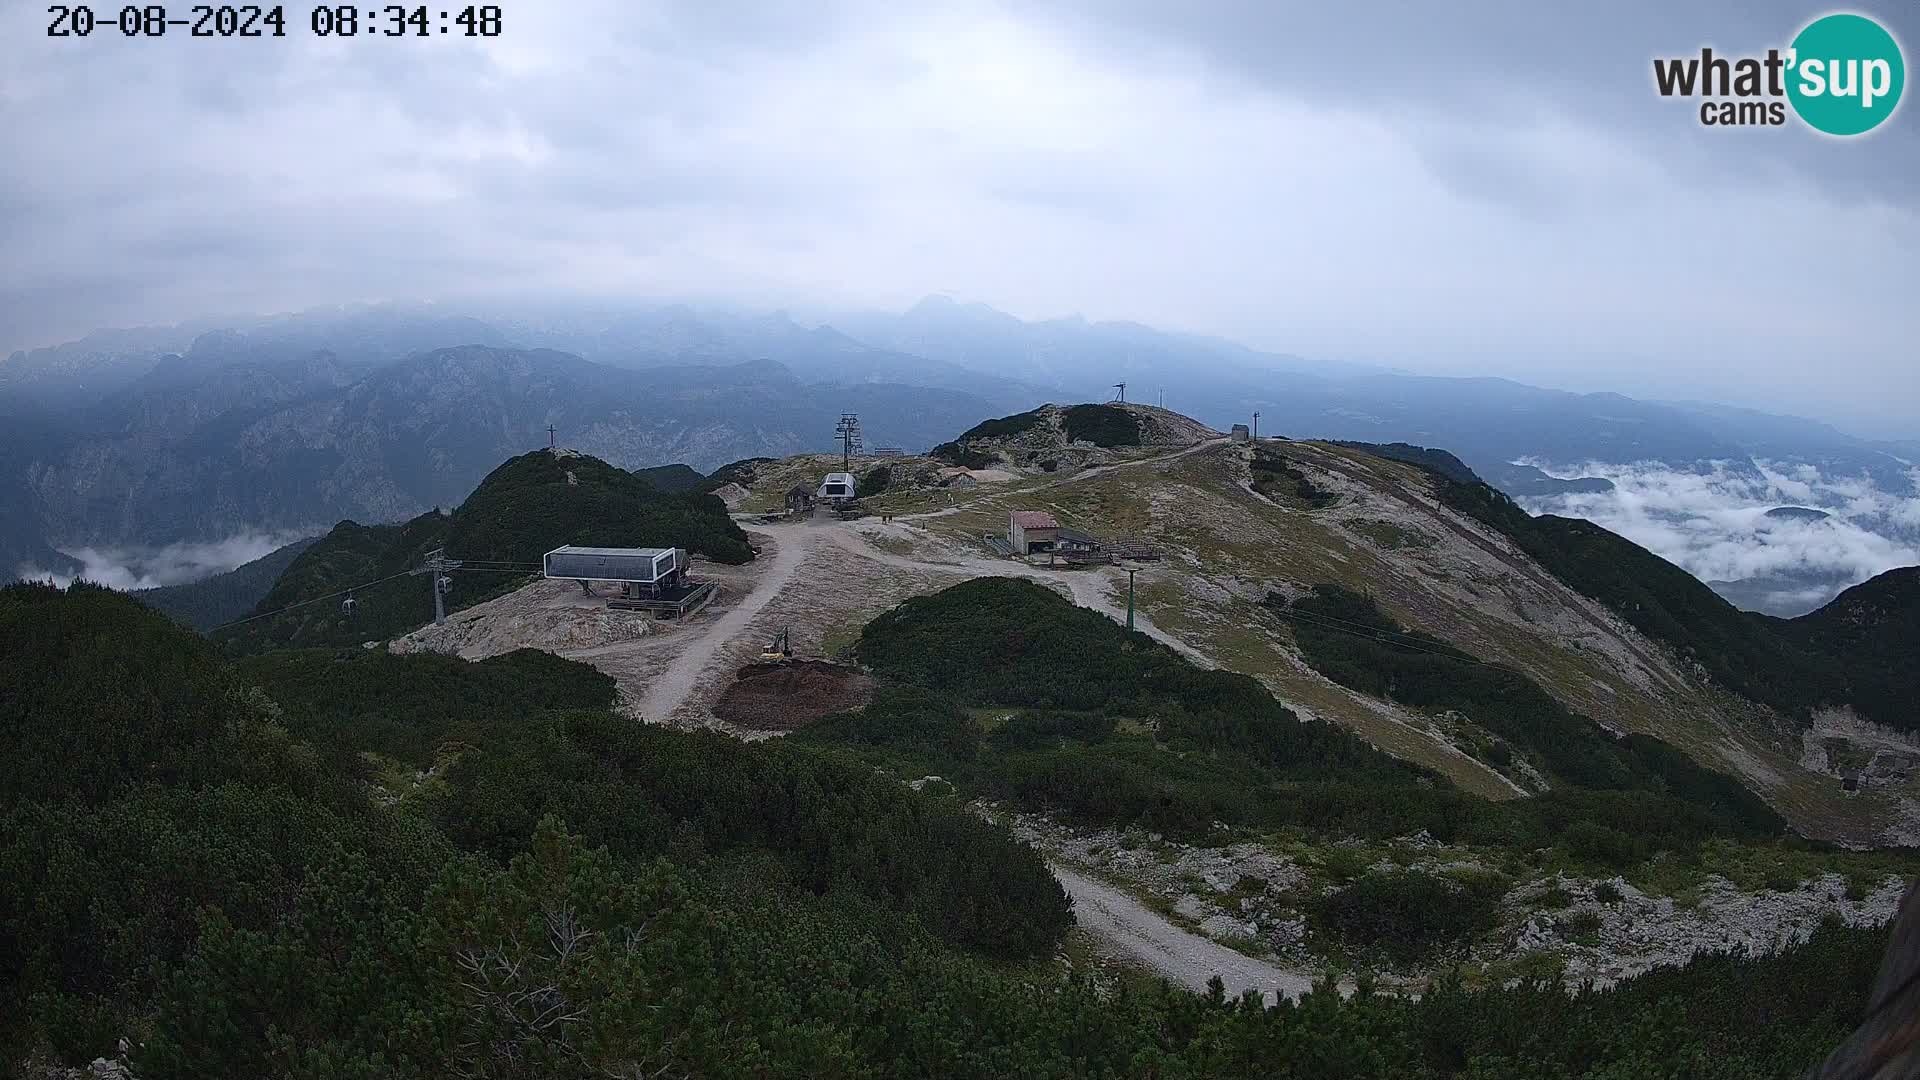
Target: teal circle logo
<point x="1845" y="74"/>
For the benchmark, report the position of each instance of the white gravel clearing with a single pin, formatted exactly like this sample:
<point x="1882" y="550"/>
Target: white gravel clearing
<point x="1182" y="958"/>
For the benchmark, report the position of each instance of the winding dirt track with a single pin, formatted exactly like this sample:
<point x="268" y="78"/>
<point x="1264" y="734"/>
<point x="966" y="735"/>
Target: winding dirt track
<point x="1070" y="478"/>
<point x="1183" y="958"/>
<point x="1089" y="587"/>
<point x="1121" y="922"/>
<point x="670" y="689"/>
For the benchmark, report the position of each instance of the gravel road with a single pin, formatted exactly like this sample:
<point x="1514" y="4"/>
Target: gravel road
<point x="666" y="693"/>
<point x="1179" y="956"/>
<point x="1090" y="587"/>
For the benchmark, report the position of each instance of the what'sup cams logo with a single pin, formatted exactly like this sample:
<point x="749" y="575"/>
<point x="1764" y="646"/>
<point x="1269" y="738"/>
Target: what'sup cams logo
<point x="1842" y="75"/>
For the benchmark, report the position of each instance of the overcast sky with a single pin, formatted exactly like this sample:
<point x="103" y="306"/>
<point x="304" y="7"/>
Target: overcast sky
<point x="1487" y="191"/>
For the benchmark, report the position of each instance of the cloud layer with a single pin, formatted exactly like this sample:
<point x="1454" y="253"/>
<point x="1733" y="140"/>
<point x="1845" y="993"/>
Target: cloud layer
<point x="1714" y="523"/>
<point x="128" y="568"/>
<point x="1467" y="190"/>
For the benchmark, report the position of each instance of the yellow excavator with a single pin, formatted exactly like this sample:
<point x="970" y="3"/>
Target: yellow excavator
<point x="781" y="648"/>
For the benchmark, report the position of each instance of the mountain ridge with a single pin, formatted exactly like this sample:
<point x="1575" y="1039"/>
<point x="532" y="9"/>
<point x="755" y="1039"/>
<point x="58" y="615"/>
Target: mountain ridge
<point x="265" y="423"/>
<point x="205" y="461"/>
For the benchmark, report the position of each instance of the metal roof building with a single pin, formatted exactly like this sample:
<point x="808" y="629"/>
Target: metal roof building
<point x="648" y="566"/>
<point x="1076" y="538"/>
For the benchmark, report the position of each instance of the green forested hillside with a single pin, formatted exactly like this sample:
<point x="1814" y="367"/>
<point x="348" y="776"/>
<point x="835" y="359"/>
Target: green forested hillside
<point x="1109" y="727"/>
<point x="154" y="765"/>
<point x="528" y="506"/>
<point x="100" y="695"/>
<point x="734" y="472"/>
<point x="1349" y="639"/>
<point x="500" y="889"/>
<point x="222" y="598"/>
<point x="539" y="501"/>
<point x="1101" y="425"/>
<point x="674" y="477"/>
<point x="350" y="702"/>
<point x="956" y="454"/>
<point x="343" y="562"/>
<point x="569" y="894"/>
<point x="1870" y="636"/>
<point x="1003" y="427"/>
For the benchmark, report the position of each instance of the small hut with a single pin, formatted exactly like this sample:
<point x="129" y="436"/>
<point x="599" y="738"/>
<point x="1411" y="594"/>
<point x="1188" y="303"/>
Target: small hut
<point x="1031" y="530"/>
<point x="799" y="499"/>
<point x="958" y="478"/>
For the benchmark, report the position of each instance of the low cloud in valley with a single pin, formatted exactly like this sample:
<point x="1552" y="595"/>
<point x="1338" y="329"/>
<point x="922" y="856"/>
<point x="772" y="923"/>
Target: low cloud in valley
<point x="1715" y="523"/>
<point x="128" y="568"/>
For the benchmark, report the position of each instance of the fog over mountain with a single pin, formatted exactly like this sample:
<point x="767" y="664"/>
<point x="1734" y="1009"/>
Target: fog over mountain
<point x="1450" y="227"/>
<point x="1721" y="525"/>
<point x="1488" y="191"/>
<point x="170" y="564"/>
<point x="151" y="456"/>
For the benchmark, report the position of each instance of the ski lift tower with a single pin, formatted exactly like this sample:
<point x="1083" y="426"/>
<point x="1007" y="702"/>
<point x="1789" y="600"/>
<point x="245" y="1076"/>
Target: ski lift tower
<point x="1121" y="396"/>
<point x="437" y="564"/>
<point x="848" y="433"/>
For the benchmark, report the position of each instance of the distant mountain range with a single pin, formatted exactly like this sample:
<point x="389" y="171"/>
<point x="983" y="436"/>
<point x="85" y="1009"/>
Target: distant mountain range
<point x="154" y="435"/>
<point x="299" y="445"/>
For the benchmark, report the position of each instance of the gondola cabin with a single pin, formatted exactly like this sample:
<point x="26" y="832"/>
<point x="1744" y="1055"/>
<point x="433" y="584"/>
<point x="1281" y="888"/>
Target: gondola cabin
<point x="838" y="487"/>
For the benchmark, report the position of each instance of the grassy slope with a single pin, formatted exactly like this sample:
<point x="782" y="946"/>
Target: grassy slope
<point x="1431" y="569"/>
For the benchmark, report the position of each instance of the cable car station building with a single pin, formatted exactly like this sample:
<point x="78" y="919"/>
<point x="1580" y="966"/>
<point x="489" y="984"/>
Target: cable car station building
<point x="651" y="579"/>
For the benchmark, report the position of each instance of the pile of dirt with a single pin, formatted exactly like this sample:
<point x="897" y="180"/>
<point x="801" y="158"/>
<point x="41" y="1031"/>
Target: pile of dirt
<point x="783" y="697"/>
